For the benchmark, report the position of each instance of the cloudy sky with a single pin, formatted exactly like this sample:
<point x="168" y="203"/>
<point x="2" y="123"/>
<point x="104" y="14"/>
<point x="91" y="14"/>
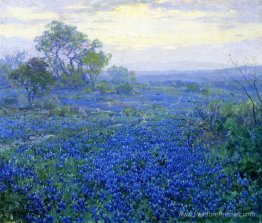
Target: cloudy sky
<point x="146" y="34"/>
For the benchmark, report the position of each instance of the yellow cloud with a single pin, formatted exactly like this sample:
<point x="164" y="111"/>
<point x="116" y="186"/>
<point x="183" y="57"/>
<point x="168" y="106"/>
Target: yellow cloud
<point x="161" y="1"/>
<point x="28" y="15"/>
<point x="144" y="10"/>
<point x="135" y="10"/>
<point x="140" y="26"/>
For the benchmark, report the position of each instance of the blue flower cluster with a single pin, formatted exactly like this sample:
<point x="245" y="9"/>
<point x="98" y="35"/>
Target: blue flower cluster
<point x="138" y="174"/>
<point x="21" y="128"/>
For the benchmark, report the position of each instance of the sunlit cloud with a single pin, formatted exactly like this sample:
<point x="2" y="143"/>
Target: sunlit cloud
<point x="139" y="26"/>
<point x="128" y="26"/>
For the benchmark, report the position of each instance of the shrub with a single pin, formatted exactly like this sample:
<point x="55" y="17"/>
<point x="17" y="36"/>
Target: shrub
<point x="239" y="139"/>
<point x="193" y="87"/>
<point x="9" y="100"/>
<point x="48" y="103"/>
<point x="122" y="79"/>
<point x="73" y="80"/>
<point x="64" y="111"/>
<point x="124" y="88"/>
<point x="13" y="99"/>
<point x="87" y="90"/>
<point x="103" y="87"/>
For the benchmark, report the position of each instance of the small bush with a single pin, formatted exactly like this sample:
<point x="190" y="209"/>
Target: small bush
<point x="124" y="88"/>
<point x="14" y="99"/>
<point x="193" y="87"/>
<point x="132" y="112"/>
<point x="122" y="79"/>
<point x="74" y="80"/>
<point x="48" y="103"/>
<point x="103" y="88"/>
<point x="87" y="90"/>
<point x="64" y="111"/>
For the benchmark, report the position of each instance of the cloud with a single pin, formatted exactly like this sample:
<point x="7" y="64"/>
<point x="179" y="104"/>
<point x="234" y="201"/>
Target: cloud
<point x="140" y="26"/>
<point x="30" y="14"/>
<point x="160" y="30"/>
<point x="246" y="11"/>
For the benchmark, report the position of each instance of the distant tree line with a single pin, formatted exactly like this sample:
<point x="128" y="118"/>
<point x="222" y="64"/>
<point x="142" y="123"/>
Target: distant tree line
<point x="8" y="64"/>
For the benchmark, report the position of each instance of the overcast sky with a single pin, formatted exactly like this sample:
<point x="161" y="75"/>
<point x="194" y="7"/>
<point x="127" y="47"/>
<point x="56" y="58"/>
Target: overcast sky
<point x="146" y="34"/>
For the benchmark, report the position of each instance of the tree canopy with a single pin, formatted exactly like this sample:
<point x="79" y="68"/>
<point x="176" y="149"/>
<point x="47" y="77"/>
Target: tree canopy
<point x="122" y="79"/>
<point x="34" y="77"/>
<point x="121" y="75"/>
<point x="94" y="62"/>
<point x="64" y="46"/>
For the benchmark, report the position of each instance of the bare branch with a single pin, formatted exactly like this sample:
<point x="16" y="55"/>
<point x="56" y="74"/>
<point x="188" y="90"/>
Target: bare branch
<point x="251" y="99"/>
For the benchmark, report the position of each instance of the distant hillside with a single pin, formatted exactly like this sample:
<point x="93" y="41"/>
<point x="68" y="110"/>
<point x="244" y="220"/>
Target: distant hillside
<point x="197" y="76"/>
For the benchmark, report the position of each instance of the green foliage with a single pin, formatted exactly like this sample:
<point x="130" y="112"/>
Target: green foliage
<point x="12" y="208"/>
<point x="104" y="87"/>
<point x="122" y="79"/>
<point x="244" y="142"/>
<point x="121" y="75"/>
<point x="63" y="111"/>
<point x="87" y="90"/>
<point x="13" y="100"/>
<point x="12" y="204"/>
<point x="8" y="64"/>
<point x="193" y="87"/>
<point x="77" y="60"/>
<point x="206" y="92"/>
<point x="132" y="112"/>
<point x="231" y="126"/>
<point x="124" y="88"/>
<point x="143" y="86"/>
<point x="74" y="80"/>
<point x="94" y="62"/>
<point x="4" y="74"/>
<point x="34" y="77"/>
<point x="67" y="43"/>
<point x="48" y="103"/>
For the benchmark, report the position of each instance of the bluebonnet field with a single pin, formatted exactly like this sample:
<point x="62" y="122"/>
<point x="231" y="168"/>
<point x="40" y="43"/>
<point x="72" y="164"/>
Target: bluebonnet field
<point x="78" y="144"/>
<point x="112" y="164"/>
